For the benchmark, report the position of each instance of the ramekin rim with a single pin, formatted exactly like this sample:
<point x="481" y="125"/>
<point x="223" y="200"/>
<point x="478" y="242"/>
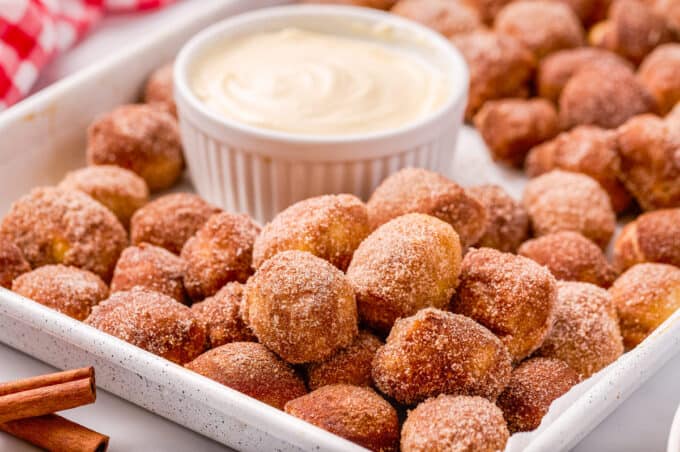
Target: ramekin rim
<point x="213" y="32"/>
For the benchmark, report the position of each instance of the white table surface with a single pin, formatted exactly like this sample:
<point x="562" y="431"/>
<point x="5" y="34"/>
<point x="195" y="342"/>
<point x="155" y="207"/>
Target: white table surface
<point x="641" y="423"/>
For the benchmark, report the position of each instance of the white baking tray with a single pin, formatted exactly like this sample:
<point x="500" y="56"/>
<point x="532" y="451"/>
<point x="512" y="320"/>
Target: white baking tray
<point x="44" y="136"/>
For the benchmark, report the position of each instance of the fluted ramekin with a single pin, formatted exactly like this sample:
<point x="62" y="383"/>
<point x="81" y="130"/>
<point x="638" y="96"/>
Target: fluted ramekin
<point x="243" y="168"/>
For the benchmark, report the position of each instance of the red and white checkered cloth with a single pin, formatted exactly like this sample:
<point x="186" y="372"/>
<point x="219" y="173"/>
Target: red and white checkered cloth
<point x="34" y="31"/>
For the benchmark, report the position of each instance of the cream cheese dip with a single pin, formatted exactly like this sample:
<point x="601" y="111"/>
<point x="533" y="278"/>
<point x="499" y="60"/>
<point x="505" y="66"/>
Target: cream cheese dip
<point x="312" y="83"/>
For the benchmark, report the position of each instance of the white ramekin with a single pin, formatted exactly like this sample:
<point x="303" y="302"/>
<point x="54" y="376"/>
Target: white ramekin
<point x="249" y="169"/>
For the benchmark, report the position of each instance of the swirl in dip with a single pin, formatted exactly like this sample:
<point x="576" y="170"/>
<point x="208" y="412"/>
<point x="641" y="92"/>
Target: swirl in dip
<point x="312" y="83"/>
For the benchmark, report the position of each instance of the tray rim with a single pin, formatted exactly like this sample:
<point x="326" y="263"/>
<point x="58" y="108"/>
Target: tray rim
<point x="646" y="359"/>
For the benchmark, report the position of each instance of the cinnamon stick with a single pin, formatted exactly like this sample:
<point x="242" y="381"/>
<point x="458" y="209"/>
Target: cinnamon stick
<point x="45" y="380"/>
<point x="56" y="434"/>
<point x="46" y="394"/>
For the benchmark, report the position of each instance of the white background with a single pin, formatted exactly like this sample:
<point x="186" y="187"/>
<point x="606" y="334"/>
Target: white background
<point x="640" y="424"/>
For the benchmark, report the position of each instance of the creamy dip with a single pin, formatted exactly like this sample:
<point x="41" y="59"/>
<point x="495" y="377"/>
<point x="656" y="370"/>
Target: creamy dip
<point x="312" y="83"/>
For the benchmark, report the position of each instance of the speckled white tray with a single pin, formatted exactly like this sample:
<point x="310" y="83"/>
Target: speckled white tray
<point x="43" y="137"/>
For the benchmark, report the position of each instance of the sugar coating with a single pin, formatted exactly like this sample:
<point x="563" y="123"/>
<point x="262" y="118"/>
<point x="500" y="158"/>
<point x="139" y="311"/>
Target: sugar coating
<point x="119" y="190"/>
<point x="586" y="332"/>
<point x="151" y="267"/>
<point x="488" y="9"/>
<point x="220" y="252"/>
<point x="645" y="295"/>
<point x="533" y="387"/>
<point x="446" y="17"/>
<point x="604" y="96"/>
<point x="658" y="236"/>
<point x="508" y="224"/>
<point x="511" y="295"/>
<point x="141" y="138"/>
<point x="250" y="368"/>
<point x="12" y="262"/>
<point x="355" y="413"/>
<point x="510" y="127"/>
<point x="221" y="314"/>
<point x="153" y="322"/>
<point x="500" y="66"/>
<point x="158" y="89"/>
<point x="673" y="118"/>
<point x="660" y="73"/>
<point x="330" y="227"/>
<point x="571" y="257"/>
<point x="56" y="226"/>
<point x="407" y="264"/>
<point x="69" y="290"/>
<point x="542" y="26"/>
<point x="301" y="307"/>
<point x="436" y="352"/>
<point x="557" y="68"/>
<point x="454" y="423"/>
<point x="170" y="220"/>
<point x="649" y="148"/>
<point x="564" y="201"/>
<point x="632" y="29"/>
<point x="651" y="237"/>
<point x="584" y="149"/>
<point x="670" y="10"/>
<point x="351" y="365"/>
<point x="417" y="190"/>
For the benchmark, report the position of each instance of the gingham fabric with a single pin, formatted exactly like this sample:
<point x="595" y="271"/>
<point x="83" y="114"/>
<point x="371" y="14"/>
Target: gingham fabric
<point x="34" y="31"/>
